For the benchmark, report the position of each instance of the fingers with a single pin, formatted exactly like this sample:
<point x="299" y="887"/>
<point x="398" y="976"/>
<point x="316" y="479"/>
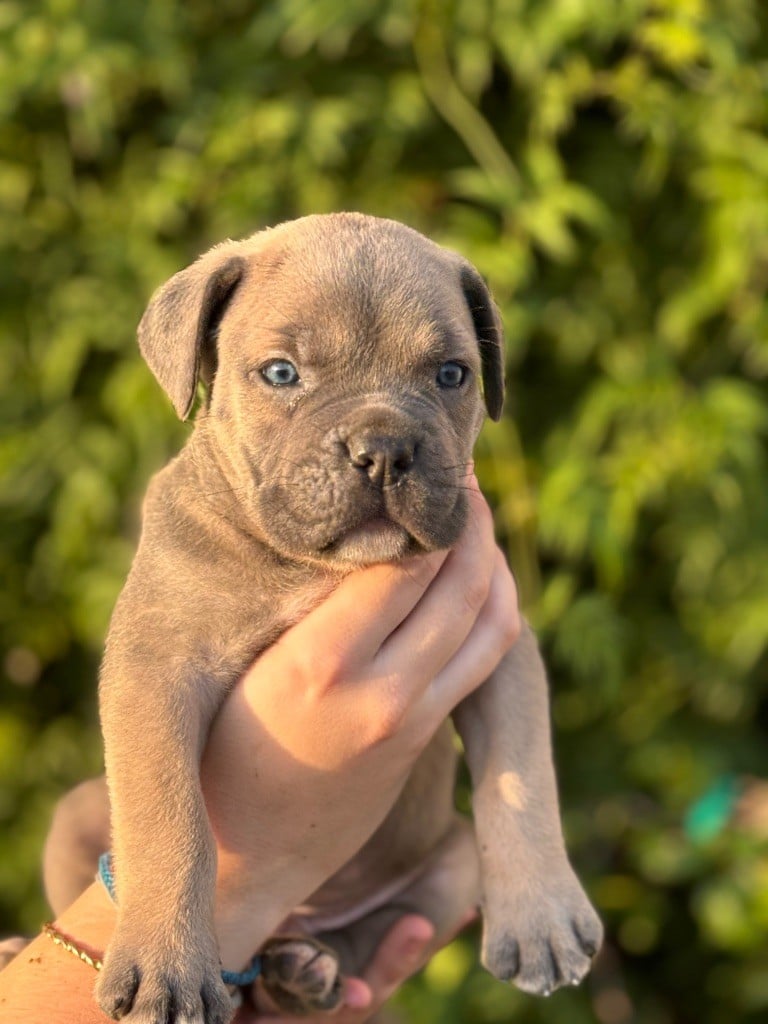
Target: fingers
<point x="440" y="623"/>
<point x="493" y="633"/>
<point x="403" y="950"/>
<point x="366" y="607"/>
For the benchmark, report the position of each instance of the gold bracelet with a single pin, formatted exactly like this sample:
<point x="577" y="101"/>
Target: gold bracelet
<point x="61" y="940"/>
<point x="94" y="961"/>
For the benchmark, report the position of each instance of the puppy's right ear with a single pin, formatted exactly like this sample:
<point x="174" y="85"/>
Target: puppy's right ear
<point x="175" y="333"/>
<point x="490" y="336"/>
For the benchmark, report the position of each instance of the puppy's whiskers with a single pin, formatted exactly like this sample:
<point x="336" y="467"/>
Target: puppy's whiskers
<point x="453" y="487"/>
<point x="235" y="491"/>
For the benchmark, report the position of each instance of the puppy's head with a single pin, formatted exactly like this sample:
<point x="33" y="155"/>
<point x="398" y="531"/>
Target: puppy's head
<point x="346" y="359"/>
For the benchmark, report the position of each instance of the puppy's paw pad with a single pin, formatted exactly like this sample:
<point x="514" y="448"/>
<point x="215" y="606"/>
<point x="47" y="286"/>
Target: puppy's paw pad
<point x="301" y="976"/>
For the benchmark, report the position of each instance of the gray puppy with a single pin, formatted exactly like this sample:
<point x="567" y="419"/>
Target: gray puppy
<point x="343" y="357"/>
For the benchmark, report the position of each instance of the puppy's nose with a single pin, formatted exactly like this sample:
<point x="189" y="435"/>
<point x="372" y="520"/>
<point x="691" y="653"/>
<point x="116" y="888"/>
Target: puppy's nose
<point x="384" y="460"/>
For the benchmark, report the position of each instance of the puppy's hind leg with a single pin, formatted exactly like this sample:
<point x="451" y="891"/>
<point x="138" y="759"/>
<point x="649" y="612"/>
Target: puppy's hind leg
<point x="79" y="834"/>
<point x="301" y="975"/>
<point x="447" y="889"/>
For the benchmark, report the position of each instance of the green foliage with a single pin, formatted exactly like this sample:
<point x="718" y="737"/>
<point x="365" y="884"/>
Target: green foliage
<point x="604" y="163"/>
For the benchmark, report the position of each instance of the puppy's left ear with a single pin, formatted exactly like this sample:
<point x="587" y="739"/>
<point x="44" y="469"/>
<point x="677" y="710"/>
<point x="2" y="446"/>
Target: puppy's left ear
<point x="490" y="336"/>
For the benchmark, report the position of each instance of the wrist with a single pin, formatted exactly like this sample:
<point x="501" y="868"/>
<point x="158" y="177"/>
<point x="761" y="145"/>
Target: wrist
<point x="91" y="918"/>
<point x="246" y="915"/>
<point x="251" y="904"/>
<point x="47" y="984"/>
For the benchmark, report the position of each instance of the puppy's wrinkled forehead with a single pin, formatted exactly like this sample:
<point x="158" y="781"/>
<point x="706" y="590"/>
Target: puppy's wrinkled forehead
<point x="348" y="286"/>
<point x="353" y="290"/>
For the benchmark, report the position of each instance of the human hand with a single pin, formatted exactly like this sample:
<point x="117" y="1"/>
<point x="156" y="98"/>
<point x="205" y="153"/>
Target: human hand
<point x="312" y="748"/>
<point x="403" y="950"/>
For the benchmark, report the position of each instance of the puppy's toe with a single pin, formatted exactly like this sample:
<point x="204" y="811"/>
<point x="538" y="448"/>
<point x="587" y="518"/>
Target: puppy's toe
<point x="150" y="986"/>
<point x="116" y="989"/>
<point x="502" y="958"/>
<point x="588" y="930"/>
<point x="542" y="944"/>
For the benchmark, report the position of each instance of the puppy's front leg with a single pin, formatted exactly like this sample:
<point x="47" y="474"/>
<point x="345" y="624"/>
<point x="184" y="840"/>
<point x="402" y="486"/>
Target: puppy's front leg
<point x="162" y="963"/>
<point x="540" y="930"/>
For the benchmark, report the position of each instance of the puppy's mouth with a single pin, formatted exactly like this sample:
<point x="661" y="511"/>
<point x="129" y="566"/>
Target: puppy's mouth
<point x="379" y="539"/>
<point x="337" y="514"/>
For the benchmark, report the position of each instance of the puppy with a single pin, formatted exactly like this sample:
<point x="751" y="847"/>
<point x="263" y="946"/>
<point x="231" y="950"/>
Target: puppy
<point x="347" y="361"/>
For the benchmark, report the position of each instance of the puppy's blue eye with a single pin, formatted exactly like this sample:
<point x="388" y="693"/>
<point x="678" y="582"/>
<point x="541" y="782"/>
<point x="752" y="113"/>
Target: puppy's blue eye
<point x="451" y="375"/>
<point x="280" y="373"/>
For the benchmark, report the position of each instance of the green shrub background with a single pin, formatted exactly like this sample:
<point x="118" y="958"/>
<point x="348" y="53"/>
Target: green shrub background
<point x="605" y="164"/>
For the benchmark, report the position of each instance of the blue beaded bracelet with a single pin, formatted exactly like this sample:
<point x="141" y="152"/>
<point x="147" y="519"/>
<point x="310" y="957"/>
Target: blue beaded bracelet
<point x="242" y="978"/>
<point x="106" y="875"/>
<point x="238" y="978"/>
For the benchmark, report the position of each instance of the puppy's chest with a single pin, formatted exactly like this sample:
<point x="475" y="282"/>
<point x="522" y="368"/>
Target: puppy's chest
<point x="198" y="606"/>
<point x="249" y="616"/>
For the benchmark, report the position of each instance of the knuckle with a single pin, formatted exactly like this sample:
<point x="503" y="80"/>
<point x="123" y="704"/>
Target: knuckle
<point x="388" y="725"/>
<point x="503" y="607"/>
<point x="335" y="669"/>
<point x="385" y="718"/>
<point x="475" y="594"/>
<point x="508" y="628"/>
<point x="501" y="627"/>
<point x="483" y="515"/>
<point x="326" y="670"/>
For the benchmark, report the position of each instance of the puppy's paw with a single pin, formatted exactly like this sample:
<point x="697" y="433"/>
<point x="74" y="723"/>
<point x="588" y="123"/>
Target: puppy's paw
<point x="145" y="982"/>
<point x="544" y="939"/>
<point x="301" y="975"/>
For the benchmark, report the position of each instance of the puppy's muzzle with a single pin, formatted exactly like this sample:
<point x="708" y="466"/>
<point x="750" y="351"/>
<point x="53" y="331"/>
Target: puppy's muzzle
<point x="384" y="459"/>
<point x="380" y="442"/>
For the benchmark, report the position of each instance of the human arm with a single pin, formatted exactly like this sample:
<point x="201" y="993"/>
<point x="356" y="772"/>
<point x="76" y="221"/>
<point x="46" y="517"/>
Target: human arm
<point x="333" y="716"/>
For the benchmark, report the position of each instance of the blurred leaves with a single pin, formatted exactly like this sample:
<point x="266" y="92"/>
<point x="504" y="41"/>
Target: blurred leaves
<point x="605" y="164"/>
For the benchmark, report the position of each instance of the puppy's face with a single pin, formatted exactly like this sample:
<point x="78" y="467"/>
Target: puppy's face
<point x="346" y="394"/>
